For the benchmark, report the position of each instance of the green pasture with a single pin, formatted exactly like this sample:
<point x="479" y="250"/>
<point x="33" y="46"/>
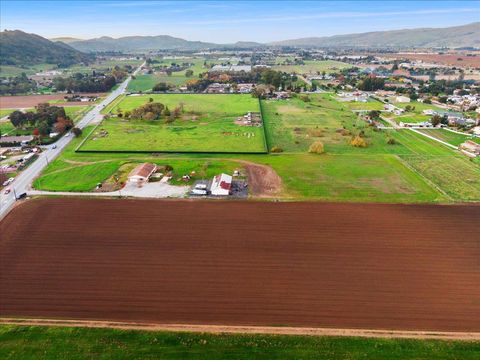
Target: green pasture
<point x="147" y="82"/>
<point x="447" y="136"/>
<point x="369" y="105"/>
<point x="413" y="169"/>
<point x="456" y="176"/>
<point x="207" y="125"/>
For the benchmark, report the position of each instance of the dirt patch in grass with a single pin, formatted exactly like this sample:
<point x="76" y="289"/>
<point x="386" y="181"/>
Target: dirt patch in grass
<point x="263" y="181"/>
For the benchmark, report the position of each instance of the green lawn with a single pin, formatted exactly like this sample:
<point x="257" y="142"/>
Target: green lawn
<point x="147" y="82"/>
<point x="143" y="83"/>
<point x="419" y="106"/>
<point x="369" y="105"/>
<point x="58" y="343"/>
<point x="447" y="136"/>
<point x="207" y="125"/>
<point x="314" y="67"/>
<point x="411" y="118"/>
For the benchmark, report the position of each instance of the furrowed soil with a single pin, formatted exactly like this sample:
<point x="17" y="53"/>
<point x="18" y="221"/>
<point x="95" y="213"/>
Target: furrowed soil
<point x="27" y="101"/>
<point x="404" y="267"/>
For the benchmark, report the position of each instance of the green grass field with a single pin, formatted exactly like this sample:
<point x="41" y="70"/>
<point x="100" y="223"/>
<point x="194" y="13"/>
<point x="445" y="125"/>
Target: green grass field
<point x="447" y="136"/>
<point x="314" y="67"/>
<point x="9" y="71"/>
<point x="414" y="169"/>
<point x="456" y="176"/>
<point x="59" y="343"/>
<point x="419" y="107"/>
<point x="207" y="125"/>
<point x="147" y="82"/>
<point x="411" y="118"/>
<point x="369" y="105"/>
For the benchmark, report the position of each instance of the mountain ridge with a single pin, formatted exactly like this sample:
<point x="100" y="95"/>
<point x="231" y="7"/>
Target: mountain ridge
<point x="21" y="48"/>
<point x="467" y="35"/>
<point x="455" y="36"/>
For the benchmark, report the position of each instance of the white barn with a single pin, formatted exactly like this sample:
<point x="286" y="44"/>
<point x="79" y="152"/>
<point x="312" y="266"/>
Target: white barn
<point x="221" y="185"/>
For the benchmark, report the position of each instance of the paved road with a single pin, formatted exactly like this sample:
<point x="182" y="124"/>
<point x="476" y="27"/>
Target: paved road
<point x="23" y="181"/>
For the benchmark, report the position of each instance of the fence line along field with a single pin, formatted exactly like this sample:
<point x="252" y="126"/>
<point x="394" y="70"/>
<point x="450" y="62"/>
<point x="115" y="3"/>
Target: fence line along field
<point x="206" y="123"/>
<point x="405" y="267"/>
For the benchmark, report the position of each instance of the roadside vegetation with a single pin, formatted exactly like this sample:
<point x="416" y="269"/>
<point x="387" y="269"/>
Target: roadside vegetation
<point x="34" y="342"/>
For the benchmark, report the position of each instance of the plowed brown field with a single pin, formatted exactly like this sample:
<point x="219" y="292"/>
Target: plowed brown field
<point x="407" y="267"/>
<point x="27" y="101"/>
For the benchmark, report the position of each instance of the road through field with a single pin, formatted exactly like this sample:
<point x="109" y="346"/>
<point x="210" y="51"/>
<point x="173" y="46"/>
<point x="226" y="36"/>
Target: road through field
<point x="323" y="265"/>
<point x="23" y="181"/>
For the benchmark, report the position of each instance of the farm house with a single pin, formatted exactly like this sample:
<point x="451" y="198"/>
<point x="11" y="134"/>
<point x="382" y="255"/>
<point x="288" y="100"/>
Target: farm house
<point x="142" y="172"/>
<point x="221" y="185"/>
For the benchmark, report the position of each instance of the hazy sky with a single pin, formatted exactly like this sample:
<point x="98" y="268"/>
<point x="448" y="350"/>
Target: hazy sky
<point x="229" y="21"/>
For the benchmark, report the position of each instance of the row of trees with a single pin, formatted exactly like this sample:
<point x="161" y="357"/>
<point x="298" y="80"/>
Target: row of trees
<point x="85" y="83"/>
<point x="371" y="83"/>
<point x="17" y="85"/>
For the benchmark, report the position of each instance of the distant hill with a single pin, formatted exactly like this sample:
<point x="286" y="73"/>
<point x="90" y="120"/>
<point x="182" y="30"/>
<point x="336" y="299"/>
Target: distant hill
<point x="65" y="39"/>
<point x="452" y="37"/>
<point x="139" y="43"/>
<point x="20" y="48"/>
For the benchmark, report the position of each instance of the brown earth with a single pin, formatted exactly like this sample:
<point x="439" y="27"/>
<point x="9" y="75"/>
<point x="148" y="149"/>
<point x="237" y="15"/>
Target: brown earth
<point x="444" y="59"/>
<point x="263" y="181"/>
<point x="28" y="101"/>
<point x="363" y="266"/>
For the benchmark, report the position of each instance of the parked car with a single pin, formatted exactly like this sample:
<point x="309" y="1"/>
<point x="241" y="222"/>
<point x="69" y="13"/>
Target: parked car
<point x="7" y="191"/>
<point x="8" y="182"/>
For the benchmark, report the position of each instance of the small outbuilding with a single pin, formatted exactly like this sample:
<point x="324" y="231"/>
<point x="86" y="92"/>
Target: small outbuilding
<point x="142" y="173"/>
<point x="221" y="185"/>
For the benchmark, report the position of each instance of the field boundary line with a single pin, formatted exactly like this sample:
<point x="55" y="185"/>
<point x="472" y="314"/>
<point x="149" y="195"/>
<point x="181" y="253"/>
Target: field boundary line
<point x="458" y="132"/>
<point x="77" y="149"/>
<point x="236" y="329"/>
<point x="434" y="138"/>
<point x="266" y="139"/>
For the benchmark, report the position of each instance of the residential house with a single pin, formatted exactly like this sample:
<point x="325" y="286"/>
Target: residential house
<point x="217" y="88"/>
<point x="24" y="140"/>
<point x="142" y="173"/>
